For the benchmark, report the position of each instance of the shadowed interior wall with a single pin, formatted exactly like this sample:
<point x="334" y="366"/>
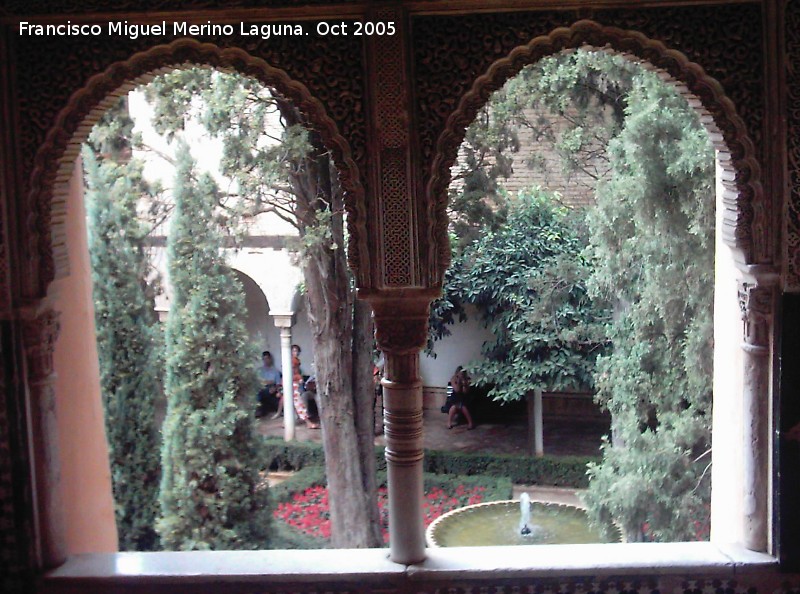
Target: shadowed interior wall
<point x="85" y="474"/>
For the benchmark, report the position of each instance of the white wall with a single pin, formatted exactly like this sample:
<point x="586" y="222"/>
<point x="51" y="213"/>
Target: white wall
<point x="461" y="347"/>
<point x="271" y="284"/>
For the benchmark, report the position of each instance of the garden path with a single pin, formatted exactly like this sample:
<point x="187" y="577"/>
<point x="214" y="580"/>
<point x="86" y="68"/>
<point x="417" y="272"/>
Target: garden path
<point x="561" y="437"/>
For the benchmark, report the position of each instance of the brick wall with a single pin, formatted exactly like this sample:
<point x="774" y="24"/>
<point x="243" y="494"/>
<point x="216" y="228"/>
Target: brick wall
<point x="538" y="163"/>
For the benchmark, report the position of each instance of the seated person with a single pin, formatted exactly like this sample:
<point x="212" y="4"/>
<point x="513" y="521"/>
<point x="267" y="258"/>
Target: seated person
<point x="309" y="396"/>
<point x="270" y="396"/>
<point x="460" y="384"/>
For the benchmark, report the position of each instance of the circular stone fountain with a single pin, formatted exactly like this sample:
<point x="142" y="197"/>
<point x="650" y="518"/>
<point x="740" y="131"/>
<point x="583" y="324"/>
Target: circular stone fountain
<point x="498" y="523"/>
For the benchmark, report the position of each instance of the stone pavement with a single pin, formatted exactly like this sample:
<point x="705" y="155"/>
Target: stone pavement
<point x="561" y="437"/>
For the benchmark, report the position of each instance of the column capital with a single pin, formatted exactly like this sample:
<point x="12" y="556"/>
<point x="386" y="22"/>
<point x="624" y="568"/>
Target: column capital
<point x="40" y="330"/>
<point x="401" y="319"/>
<point x="282" y="319"/>
<point x="756" y="303"/>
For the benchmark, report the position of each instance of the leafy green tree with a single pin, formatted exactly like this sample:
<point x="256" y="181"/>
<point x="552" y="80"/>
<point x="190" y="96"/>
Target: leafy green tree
<point x="571" y="104"/>
<point x="128" y="337"/>
<point x="528" y="282"/>
<point x="281" y="167"/>
<point x="210" y="494"/>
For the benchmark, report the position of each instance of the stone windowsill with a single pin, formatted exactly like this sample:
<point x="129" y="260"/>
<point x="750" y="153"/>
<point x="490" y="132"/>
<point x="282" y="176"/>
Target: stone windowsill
<point x="373" y="566"/>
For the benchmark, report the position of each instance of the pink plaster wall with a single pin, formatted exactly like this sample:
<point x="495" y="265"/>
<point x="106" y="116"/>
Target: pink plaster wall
<point x="85" y="474"/>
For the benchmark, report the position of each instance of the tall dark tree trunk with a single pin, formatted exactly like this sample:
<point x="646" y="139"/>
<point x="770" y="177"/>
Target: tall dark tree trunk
<point x="342" y="335"/>
<point x="364" y="397"/>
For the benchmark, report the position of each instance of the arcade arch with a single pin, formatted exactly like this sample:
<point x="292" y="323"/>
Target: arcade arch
<point x="59" y="268"/>
<point x="745" y="280"/>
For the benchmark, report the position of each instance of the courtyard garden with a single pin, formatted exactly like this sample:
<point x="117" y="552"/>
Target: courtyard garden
<point x="452" y="480"/>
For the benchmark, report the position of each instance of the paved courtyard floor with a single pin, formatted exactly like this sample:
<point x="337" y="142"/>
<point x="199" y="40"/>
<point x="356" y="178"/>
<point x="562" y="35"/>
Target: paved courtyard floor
<point x="561" y="437"/>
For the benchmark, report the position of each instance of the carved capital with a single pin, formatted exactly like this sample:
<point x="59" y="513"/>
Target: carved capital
<point x="401" y="336"/>
<point x="755" y="303"/>
<point x="792" y="240"/>
<point x="401" y="320"/>
<point x="39" y="337"/>
<point x="282" y="319"/>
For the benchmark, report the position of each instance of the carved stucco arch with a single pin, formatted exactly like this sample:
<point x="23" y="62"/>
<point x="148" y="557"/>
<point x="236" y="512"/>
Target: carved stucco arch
<point x="745" y="219"/>
<point x="55" y="159"/>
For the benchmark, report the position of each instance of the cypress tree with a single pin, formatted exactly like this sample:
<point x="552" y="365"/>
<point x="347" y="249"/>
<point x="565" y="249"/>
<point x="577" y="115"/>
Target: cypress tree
<point x="209" y="495"/>
<point x="653" y="244"/>
<point x="127" y="332"/>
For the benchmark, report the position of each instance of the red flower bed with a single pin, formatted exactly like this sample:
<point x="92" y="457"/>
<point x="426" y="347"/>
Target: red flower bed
<point x="308" y="511"/>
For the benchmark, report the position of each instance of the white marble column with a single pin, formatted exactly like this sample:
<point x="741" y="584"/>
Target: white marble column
<point x="538" y="424"/>
<point x="285" y="321"/>
<point x="757" y="304"/>
<point x="401" y="332"/>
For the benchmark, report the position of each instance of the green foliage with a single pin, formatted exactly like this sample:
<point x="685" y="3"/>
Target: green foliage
<point x="280" y="168"/>
<point x="209" y="495"/>
<point x="495" y="489"/>
<point x="298" y="481"/>
<point x="528" y="281"/>
<point x="112" y="136"/>
<point x="572" y="104"/>
<point x="279" y="454"/>
<point x="285" y="537"/>
<point x="652" y="241"/>
<point x="128" y="337"/>
<point x="566" y="471"/>
<point x="261" y="156"/>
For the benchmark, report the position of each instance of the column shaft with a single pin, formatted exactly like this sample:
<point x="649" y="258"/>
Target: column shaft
<point x="288" y="388"/>
<point x="402" y="394"/>
<point x="756" y="302"/>
<point x="401" y="329"/>
<point x="40" y="332"/>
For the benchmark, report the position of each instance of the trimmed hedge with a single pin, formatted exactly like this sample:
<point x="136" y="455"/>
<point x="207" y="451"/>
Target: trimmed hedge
<point x="522" y="470"/>
<point x="497" y="488"/>
<point x="291" y="455"/>
<point x="561" y="471"/>
<point x="310" y="476"/>
<point x="286" y="537"/>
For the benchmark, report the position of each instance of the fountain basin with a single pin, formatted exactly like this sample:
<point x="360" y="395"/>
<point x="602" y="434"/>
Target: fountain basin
<point x="497" y="523"/>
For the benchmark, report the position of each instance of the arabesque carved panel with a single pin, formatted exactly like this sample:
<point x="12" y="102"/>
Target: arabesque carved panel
<point x="24" y="7"/>
<point x="792" y="270"/>
<point x="450" y="52"/>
